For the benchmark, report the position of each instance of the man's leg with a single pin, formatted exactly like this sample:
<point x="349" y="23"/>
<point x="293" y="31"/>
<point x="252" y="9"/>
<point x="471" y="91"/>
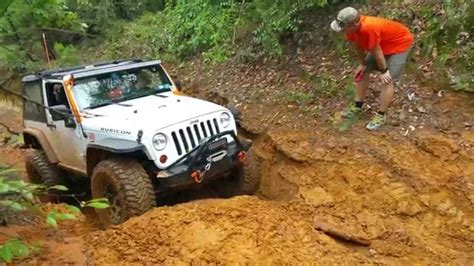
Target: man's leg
<point x="361" y="88"/>
<point x="396" y="65"/>
<point x="386" y="97"/>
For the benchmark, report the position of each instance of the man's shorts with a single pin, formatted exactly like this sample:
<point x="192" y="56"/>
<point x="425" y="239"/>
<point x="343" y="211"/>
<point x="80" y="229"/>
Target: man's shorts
<point x="395" y="63"/>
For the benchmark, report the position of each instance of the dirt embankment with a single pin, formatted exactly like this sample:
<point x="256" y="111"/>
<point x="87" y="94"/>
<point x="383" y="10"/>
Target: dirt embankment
<point x="411" y="200"/>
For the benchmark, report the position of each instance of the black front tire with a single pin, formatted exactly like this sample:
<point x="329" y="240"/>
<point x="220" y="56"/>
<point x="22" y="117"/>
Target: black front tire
<point x="245" y="179"/>
<point x="249" y="174"/>
<point x="126" y="185"/>
<point x="41" y="171"/>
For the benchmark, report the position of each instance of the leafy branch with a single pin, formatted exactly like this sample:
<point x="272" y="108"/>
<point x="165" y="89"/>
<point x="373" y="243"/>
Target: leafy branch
<point x="18" y="196"/>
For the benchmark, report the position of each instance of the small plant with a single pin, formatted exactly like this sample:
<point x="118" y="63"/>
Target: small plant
<point x="348" y="123"/>
<point x="16" y="248"/>
<point x="300" y="98"/>
<point x="18" y="195"/>
<point x="350" y="90"/>
<point x="325" y="86"/>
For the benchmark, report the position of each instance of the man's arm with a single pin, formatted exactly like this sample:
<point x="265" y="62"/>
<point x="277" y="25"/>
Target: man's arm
<point x="379" y="57"/>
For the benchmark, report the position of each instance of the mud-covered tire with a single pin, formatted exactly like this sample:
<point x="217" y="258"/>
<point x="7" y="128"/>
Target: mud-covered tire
<point x="245" y="179"/>
<point x="129" y="184"/>
<point x="41" y="171"/>
<point x="249" y="174"/>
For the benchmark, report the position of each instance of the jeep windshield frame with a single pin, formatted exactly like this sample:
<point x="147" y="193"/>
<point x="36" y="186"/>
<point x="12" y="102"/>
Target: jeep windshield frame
<point x="102" y="87"/>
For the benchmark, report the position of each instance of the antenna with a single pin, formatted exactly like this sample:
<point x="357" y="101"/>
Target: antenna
<point x="46" y="50"/>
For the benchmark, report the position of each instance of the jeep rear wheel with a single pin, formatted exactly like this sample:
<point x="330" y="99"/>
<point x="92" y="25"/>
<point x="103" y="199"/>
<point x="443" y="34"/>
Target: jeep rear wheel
<point x="127" y="187"/>
<point x="41" y="171"/>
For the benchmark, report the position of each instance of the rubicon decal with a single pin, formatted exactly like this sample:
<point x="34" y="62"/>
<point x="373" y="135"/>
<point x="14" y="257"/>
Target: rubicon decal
<point x="116" y="131"/>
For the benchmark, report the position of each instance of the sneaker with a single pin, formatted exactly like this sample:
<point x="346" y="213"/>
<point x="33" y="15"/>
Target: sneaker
<point x="351" y="111"/>
<point x="377" y="122"/>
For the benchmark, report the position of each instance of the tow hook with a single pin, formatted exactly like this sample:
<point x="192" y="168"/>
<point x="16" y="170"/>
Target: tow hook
<point x="197" y="176"/>
<point x="242" y="155"/>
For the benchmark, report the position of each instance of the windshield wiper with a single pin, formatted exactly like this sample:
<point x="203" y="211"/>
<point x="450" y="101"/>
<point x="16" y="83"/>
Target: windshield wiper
<point x="107" y="103"/>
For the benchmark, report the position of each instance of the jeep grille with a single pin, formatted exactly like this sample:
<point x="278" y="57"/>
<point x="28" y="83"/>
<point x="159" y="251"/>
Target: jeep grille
<point x="186" y="139"/>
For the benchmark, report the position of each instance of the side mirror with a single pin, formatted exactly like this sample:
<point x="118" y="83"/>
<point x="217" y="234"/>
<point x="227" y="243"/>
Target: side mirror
<point x="60" y="112"/>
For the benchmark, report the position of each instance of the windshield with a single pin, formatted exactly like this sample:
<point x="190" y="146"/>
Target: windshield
<point x="114" y="87"/>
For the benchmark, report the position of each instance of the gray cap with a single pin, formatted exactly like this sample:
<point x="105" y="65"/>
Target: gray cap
<point x="346" y="16"/>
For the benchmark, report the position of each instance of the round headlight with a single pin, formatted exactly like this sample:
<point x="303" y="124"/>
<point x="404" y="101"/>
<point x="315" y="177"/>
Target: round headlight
<point x="225" y="119"/>
<point x="160" y="141"/>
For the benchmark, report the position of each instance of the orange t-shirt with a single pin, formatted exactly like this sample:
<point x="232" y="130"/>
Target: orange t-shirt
<point x="393" y="37"/>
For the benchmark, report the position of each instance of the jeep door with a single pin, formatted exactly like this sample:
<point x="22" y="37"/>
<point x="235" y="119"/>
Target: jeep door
<point x="64" y="134"/>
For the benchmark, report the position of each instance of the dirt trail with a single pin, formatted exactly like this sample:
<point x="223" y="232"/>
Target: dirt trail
<point x="237" y="230"/>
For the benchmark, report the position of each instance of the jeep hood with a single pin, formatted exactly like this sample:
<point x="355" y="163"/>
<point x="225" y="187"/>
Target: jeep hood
<point x="149" y="113"/>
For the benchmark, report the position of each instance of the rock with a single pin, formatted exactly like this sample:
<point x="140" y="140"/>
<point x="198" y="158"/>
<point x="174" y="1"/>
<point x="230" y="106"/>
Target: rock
<point x="425" y="199"/>
<point x="402" y="116"/>
<point x="421" y="109"/>
<point x="372" y="252"/>
<point x="468" y="135"/>
<point x="317" y="197"/>
<point x="405" y="208"/>
<point x="447" y="208"/>
<point x="437" y="145"/>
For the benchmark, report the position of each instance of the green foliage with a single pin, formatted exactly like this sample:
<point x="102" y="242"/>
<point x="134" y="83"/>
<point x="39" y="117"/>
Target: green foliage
<point x="17" y="195"/>
<point x="59" y="187"/>
<point x="301" y="98"/>
<point x="215" y="29"/>
<point x="322" y="84"/>
<point x="350" y="90"/>
<point x="444" y="35"/>
<point x="13" y="248"/>
<point x="101" y="15"/>
<point x="67" y="55"/>
<point x="21" y="27"/>
<point x="325" y="86"/>
<point x="348" y="123"/>
<point x="273" y="18"/>
<point x="197" y="26"/>
<point x="97" y="204"/>
<point x="144" y="37"/>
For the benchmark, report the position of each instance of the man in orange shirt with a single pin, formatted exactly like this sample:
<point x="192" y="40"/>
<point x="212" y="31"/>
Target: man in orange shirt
<point x="382" y="45"/>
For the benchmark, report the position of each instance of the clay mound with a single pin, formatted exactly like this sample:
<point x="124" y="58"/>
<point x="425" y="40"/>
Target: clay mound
<point x="242" y="229"/>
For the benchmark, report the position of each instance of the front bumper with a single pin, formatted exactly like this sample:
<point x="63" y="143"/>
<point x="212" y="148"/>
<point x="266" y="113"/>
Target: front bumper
<point x="210" y="160"/>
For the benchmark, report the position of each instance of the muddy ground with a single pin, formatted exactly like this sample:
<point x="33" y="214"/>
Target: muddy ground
<point x="406" y="197"/>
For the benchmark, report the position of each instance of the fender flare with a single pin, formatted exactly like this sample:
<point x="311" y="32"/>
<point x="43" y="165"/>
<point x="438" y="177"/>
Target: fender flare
<point x="111" y="146"/>
<point x="39" y="136"/>
<point x="119" y="146"/>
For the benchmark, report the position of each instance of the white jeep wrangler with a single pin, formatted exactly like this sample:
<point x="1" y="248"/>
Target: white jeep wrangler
<point x="125" y="125"/>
